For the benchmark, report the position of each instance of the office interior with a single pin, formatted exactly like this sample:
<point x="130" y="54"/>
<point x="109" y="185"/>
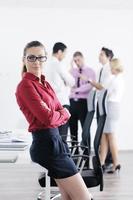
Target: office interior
<point x="81" y="25"/>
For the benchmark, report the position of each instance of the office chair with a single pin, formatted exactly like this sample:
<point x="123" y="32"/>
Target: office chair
<point x="86" y="134"/>
<point x="86" y="140"/>
<point x="93" y="176"/>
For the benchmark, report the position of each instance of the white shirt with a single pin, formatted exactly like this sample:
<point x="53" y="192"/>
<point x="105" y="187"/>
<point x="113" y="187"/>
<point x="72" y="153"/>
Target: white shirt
<point x="60" y="79"/>
<point x="106" y="75"/>
<point x="116" y="89"/>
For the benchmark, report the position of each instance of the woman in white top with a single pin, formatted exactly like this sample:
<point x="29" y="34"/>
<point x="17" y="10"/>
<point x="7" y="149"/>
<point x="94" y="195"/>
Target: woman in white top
<point x="115" y="93"/>
<point x="114" y="85"/>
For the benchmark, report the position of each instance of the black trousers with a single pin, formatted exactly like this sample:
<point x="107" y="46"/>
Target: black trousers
<point x="78" y="110"/>
<point x="63" y="130"/>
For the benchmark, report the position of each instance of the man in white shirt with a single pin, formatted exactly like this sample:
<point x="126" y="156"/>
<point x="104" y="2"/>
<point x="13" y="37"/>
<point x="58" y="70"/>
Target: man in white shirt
<point x="60" y="79"/>
<point x="105" y="74"/>
<point x="104" y="78"/>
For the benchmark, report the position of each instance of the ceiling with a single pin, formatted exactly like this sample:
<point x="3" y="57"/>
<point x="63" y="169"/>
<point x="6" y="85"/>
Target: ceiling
<point x="74" y="4"/>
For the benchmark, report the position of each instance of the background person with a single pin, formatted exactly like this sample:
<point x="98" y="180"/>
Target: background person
<point x="104" y="77"/>
<point x="79" y="93"/>
<point x="60" y="79"/>
<point x="105" y="74"/>
<point x="115" y="93"/>
<point x="115" y="87"/>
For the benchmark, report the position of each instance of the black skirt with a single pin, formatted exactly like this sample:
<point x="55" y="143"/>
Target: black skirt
<point x="50" y="151"/>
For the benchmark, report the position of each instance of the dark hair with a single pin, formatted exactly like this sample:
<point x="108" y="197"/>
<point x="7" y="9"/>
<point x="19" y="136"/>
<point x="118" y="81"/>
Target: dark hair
<point x="77" y="53"/>
<point x="32" y="44"/>
<point x="59" y="46"/>
<point x="108" y="52"/>
<point x="24" y="69"/>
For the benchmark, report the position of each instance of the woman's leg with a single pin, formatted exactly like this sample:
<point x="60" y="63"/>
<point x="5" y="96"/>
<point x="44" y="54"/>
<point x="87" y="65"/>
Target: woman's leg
<point x="64" y="194"/>
<point x="113" y="148"/>
<point x="103" y="148"/>
<point x="73" y="188"/>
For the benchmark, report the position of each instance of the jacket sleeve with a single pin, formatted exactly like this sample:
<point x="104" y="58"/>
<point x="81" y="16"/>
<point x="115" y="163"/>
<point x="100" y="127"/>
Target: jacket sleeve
<point x="34" y="103"/>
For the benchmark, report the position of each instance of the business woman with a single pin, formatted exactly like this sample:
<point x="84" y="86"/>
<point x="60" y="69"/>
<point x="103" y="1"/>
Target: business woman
<point x="43" y="111"/>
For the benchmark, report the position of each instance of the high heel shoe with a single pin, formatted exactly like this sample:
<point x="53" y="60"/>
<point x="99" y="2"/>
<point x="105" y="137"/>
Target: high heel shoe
<point x="117" y="168"/>
<point x="103" y="168"/>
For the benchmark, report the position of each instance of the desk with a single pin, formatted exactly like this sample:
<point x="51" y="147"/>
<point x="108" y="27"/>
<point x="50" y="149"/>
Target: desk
<point x="19" y="180"/>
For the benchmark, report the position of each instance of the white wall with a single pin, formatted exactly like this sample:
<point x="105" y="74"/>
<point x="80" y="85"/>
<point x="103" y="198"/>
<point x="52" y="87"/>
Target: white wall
<point x="84" y="30"/>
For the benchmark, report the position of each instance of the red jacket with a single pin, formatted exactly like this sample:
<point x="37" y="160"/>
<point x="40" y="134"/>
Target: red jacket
<point x="39" y="103"/>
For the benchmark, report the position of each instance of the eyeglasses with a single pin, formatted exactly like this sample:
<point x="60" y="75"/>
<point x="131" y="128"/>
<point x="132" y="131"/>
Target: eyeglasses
<point x="33" y="58"/>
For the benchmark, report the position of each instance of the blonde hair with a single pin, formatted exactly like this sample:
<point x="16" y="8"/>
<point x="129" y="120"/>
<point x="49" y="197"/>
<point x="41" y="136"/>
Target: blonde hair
<point x="115" y="63"/>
